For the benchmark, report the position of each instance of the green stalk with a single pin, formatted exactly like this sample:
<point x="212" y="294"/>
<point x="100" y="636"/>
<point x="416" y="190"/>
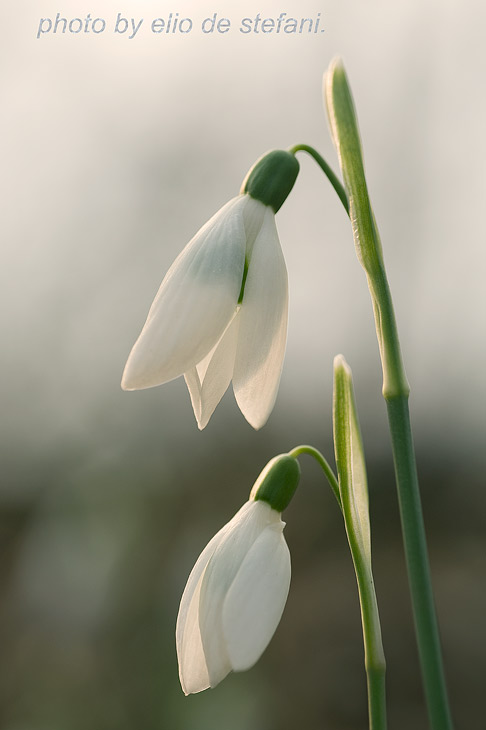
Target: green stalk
<point x="374" y="657"/>
<point x="344" y="129"/>
<point x="327" y="170"/>
<point x="330" y="476"/>
<point x="353" y="487"/>
<point x="417" y="563"/>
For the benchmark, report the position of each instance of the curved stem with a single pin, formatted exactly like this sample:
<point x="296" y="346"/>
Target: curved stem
<point x="321" y="460"/>
<point x="331" y="175"/>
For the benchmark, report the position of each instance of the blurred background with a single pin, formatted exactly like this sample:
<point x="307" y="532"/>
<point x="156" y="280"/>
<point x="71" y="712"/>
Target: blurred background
<point x="115" y="152"/>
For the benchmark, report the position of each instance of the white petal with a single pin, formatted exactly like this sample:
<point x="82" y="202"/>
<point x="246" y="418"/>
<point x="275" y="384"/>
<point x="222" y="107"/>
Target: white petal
<point x="193" y="383"/>
<point x="224" y="564"/>
<point x="194" y="304"/>
<point x="208" y="383"/>
<point x="256" y="599"/>
<point x="193" y="671"/>
<point x="263" y="327"/>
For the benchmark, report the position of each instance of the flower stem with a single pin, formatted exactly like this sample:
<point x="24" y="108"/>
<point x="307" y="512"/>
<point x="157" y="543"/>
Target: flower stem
<point x="353" y="487"/>
<point x="331" y="175"/>
<point x="417" y="563"/>
<point x="331" y="478"/>
<point x="375" y="664"/>
<point x="345" y="132"/>
<point x="374" y="657"/>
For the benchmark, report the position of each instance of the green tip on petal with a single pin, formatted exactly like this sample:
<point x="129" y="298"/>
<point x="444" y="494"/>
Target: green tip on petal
<point x="271" y="178"/>
<point x="277" y="482"/>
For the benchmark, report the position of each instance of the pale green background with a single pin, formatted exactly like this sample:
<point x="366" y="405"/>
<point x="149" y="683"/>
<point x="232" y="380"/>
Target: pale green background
<point x="114" y="153"/>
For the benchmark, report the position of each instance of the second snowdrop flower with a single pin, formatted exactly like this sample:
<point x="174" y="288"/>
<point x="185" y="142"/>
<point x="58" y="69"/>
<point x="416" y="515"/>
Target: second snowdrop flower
<point x="221" y="312"/>
<point x="238" y="588"/>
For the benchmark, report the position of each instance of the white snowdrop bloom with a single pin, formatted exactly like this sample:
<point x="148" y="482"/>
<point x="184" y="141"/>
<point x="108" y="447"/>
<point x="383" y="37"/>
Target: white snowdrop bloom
<point x="234" y="598"/>
<point x="221" y="312"/>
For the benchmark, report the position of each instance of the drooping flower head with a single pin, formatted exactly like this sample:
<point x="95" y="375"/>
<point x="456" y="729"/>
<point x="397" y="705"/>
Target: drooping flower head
<point x="237" y="590"/>
<point x="220" y="314"/>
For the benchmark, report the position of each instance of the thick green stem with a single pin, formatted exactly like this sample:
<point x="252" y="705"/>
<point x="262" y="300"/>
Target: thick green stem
<point x="417" y="563"/>
<point x="376" y="698"/>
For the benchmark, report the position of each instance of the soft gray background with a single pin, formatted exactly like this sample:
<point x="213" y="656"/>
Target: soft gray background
<point x="114" y="153"/>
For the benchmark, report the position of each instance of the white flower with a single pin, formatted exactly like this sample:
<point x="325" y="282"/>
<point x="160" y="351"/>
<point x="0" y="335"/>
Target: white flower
<point x="199" y="325"/>
<point x="234" y="598"/>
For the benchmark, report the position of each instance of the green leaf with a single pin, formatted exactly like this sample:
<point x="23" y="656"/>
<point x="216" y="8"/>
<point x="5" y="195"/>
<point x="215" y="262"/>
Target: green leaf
<point x="350" y="462"/>
<point x="346" y="137"/>
<point x="345" y="133"/>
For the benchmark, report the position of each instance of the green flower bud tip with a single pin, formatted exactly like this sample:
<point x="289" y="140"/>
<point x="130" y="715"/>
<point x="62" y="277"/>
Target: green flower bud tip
<point x="277" y="482"/>
<point x="271" y="178"/>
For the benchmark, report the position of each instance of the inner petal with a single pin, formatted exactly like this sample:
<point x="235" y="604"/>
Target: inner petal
<point x="218" y="371"/>
<point x="263" y="327"/>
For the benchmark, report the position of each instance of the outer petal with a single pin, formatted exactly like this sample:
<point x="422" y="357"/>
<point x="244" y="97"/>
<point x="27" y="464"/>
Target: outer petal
<point x="208" y="384"/>
<point x="194" y="304"/>
<point x="263" y="327"/>
<point x="220" y="573"/>
<point x="256" y="599"/>
<point x="193" y="671"/>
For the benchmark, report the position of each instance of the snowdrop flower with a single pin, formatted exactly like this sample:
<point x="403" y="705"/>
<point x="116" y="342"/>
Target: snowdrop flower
<point x="220" y="314"/>
<point x="237" y="590"/>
